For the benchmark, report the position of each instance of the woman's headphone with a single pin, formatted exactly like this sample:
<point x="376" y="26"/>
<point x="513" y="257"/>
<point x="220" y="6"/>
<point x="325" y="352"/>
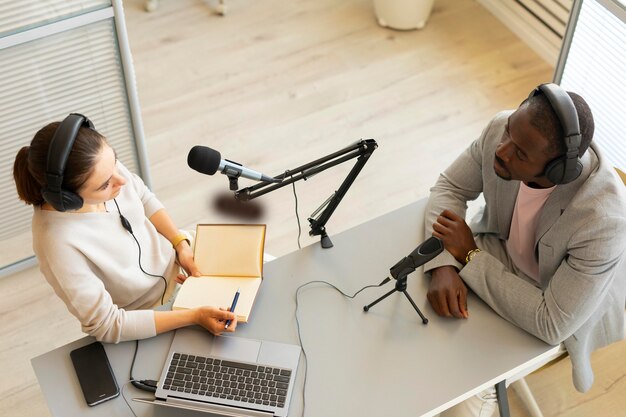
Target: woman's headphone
<point x="65" y="200"/>
<point x="565" y="168"/>
<point x="58" y="152"/>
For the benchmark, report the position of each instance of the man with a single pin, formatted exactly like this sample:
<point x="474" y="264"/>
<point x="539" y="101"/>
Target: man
<point x="546" y="252"/>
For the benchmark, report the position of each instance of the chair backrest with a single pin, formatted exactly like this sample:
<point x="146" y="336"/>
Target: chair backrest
<point x="622" y="175"/>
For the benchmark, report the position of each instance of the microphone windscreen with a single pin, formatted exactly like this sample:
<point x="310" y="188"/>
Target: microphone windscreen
<point x="204" y="160"/>
<point x="426" y="251"/>
<point x="431" y="246"/>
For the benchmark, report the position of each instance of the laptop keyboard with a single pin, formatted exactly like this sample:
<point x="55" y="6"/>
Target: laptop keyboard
<point x="238" y="381"/>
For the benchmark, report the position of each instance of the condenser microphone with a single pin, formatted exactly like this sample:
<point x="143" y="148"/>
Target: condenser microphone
<point x="208" y="161"/>
<point x="425" y="252"/>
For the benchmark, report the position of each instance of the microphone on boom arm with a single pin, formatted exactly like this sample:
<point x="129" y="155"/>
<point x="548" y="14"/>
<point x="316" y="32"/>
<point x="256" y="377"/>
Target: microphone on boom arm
<point x="208" y="161"/>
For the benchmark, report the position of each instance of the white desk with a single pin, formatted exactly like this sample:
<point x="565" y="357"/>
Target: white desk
<point x="360" y="364"/>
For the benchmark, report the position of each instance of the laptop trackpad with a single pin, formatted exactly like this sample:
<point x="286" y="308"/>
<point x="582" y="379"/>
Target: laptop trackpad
<point x="236" y="348"/>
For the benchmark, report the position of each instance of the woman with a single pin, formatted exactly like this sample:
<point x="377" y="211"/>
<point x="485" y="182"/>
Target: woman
<point x="109" y="274"/>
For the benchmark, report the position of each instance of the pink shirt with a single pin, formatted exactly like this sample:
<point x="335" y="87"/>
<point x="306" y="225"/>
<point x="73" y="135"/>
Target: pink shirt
<point x="521" y="242"/>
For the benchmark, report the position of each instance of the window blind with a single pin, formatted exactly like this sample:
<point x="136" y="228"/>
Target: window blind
<point x="16" y="16"/>
<point x="592" y="64"/>
<point x="539" y="23"/>
<point x="552" y="14"/>
<point x="76" y="67"/>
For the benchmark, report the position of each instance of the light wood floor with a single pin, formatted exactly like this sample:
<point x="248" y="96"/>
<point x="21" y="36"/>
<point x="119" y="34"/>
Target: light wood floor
<point x="276" y="84"/>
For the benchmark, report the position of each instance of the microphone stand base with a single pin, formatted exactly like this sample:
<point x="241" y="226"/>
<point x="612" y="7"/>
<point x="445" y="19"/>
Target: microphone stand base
<point x="400" y="287"/>
<point x="326" y="242"/>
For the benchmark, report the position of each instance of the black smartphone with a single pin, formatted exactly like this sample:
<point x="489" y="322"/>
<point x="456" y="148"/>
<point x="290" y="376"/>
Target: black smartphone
<point x="94" y="373"/>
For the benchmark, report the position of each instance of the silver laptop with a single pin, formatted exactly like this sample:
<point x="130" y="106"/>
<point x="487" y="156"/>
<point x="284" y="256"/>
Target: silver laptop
<point x="227" y="375"/>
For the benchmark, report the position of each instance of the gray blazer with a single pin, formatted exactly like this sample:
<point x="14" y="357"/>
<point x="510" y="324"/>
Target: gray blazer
<point x="580" y="245"/>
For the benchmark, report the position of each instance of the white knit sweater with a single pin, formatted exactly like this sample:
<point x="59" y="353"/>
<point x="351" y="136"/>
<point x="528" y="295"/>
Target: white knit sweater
<point x="91" y="262"/>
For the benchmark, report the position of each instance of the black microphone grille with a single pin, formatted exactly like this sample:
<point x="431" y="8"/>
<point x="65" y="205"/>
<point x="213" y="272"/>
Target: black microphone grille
<point x="432" y="245"/>
<point x="204" y="159"/>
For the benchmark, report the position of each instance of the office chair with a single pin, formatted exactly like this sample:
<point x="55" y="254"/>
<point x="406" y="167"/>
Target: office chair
<point x="152" y="5"/>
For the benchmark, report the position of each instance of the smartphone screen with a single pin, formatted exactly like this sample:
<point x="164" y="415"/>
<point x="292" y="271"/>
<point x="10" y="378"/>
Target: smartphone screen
<point x="94" y="373"/>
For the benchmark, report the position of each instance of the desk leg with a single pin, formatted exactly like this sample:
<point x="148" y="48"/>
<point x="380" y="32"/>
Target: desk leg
<point x="503" y="401"/>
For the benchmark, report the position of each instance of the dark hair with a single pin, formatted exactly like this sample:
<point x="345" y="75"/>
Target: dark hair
<point x="545" y="120"/>
<point x="29" y="168"/>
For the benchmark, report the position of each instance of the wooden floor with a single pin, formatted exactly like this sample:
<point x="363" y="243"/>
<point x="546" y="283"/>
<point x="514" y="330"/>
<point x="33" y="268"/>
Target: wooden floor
<point x="276" y="84"/>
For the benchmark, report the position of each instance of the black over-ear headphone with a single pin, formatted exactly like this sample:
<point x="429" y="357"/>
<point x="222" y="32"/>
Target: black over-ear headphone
<point x="565" y="168"/>
<point x="58" y="152"/>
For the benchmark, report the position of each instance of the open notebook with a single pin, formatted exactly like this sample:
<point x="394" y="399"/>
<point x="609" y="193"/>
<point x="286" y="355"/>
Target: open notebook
<point x="229" y="256"/>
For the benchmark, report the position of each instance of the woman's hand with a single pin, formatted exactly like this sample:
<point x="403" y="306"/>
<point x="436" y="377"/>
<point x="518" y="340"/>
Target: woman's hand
<point x="214" y="319"/>
<point x="185" y="260"/>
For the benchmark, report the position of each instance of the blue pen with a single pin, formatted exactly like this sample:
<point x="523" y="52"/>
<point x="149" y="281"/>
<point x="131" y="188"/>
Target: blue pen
<point x="232" y="307"/>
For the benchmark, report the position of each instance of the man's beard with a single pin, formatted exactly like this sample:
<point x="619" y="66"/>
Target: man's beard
<point x="502" y="176"/>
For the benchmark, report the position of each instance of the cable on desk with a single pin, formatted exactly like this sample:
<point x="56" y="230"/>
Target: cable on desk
<point x="125" y="400"/>
<point x="149" y="385"/>
<point x="143" y="384"/>
<point x="306" y="363"/>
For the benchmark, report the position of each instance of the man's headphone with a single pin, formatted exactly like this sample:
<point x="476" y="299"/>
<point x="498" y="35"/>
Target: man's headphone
<point x="565" y="168"/>
<point x="58" y="152"/>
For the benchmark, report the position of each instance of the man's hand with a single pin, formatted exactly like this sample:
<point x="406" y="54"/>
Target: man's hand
<point x="455" y="234"/>
<point x="447" y="293"/>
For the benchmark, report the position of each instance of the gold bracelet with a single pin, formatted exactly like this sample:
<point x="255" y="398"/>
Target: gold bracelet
<point x="179" y="238"/>
<point x="470" y="255"/>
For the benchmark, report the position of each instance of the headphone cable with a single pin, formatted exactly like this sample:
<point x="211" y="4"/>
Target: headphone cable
<point x="126" y="225"/>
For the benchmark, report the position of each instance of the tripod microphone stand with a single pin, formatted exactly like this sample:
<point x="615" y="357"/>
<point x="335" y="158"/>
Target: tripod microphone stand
<point x="425" y="252"/>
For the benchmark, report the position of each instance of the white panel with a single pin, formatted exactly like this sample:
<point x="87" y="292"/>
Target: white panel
<point x="78" y="70"/>
<point x="595" y="68"/>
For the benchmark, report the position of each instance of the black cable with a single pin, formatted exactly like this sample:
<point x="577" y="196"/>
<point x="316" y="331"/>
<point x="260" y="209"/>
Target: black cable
<point x="126" y="225"/>
<point x="144" y="384"/>
<point x="132" y="364"/>
<point x="295" y="196"/>
<point x="306" y="362"/>
<point x="147" y="273"/>
<point x="149" y="385"/>
<point x="125" y="400"/>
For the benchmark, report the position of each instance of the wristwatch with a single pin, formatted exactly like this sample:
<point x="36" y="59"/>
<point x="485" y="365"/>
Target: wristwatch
<point x="471" y="254"/>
